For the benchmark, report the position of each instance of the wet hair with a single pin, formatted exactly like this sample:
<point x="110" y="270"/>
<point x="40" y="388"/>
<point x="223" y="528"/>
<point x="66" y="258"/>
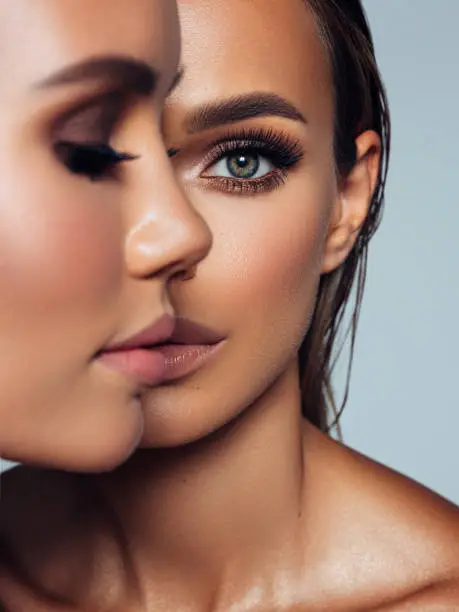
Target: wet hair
<point x="360" y="104"/>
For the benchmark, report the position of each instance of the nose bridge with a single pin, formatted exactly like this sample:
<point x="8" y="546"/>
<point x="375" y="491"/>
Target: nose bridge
<point x="166" y="234"/>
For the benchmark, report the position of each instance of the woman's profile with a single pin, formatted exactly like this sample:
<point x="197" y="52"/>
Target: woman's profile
<point x="238" y="499"/>
<point x="74" y="231"/>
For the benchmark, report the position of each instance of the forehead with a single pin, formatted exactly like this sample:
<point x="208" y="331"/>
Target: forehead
<point x="38" y="37"/>
<point x="230" y="47"/>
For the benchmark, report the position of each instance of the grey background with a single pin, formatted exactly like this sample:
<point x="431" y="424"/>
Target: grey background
<point x="404" y="405"/>
<point x="403" y="408"/>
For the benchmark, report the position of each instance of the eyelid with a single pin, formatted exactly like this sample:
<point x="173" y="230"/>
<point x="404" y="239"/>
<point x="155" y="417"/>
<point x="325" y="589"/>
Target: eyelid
<point x="95" y="162"/>
<point x="272" y="144"/>
<point x="194" y="157"/>
<point x="93" y="119"/>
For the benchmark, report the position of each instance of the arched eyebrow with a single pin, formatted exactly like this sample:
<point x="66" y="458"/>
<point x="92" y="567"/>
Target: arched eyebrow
<point x="128" y="74"/>
<point x="240" y="108"/>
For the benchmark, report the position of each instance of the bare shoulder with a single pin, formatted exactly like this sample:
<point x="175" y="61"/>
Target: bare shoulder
<point x="398" y="541"/>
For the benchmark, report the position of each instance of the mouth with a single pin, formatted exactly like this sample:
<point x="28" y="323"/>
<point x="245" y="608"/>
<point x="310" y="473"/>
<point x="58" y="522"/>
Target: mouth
<point x="166" y="351"/>
<point x="182" y="360"/>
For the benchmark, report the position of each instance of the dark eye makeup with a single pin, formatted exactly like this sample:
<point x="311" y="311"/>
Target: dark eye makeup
<point x="245" y="153"/>
<point x="81" y="138"/>
<point x="94" y="161"/>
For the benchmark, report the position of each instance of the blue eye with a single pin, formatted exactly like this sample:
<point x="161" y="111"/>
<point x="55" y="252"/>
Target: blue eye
<point x="94" y="161"/>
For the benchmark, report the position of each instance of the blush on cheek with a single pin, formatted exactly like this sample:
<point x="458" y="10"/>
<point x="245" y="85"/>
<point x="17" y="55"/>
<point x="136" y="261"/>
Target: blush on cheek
<point x="60" y="252"/>
<point x="273" y="272"/>
<point x="272" y="275"/>
<point x="288" y="249"/>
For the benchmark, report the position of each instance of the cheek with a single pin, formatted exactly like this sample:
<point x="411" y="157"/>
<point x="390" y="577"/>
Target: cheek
<point x="59" y="244"/>
<point x="268" y="260"/>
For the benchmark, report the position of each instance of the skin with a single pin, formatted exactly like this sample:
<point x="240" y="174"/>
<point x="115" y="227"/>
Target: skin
<point x="75" y="263"/>
<point x="236" y="503"/>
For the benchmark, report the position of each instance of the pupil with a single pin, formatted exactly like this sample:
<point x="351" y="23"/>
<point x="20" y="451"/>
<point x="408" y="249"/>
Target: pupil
<point x="243" y="165"/>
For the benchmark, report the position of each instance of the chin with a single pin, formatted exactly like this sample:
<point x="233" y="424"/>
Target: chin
<point x="107" y="432"/>
<point x="83" y="460"/>
<point x="171" y="436"/>
<point x="108" y="450"/>
<point x="98" y="439"/>
<point x="179" y="423"/>
<point x="100" y="461"/>
<point x="193" y="409"/>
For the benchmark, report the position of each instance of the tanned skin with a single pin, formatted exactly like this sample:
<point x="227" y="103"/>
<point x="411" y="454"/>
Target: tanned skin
<point x="71" y="259"/>
<point x="235" y="503"/>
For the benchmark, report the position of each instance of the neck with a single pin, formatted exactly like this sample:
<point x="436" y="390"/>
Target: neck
<point x="220" y="503"/>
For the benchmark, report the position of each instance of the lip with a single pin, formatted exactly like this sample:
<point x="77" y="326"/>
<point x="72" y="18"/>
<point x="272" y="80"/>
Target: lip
<point x="159" y="332"/>
<point x="165" y="351"/>
<point x="182" y="360"/>
<point x="187" y="331"/>
<point x="189" y="347"/>
<point x="133" y="357"/>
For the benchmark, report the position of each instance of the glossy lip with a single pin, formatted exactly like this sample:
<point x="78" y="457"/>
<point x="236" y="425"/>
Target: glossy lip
<point x="167" y="350"/>
<point x="190" y="346"/>
<point x="135" y="358"/>
<point x="182" y="360"/>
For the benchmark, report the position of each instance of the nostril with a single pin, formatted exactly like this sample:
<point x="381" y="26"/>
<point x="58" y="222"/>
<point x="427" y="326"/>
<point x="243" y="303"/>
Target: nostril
<point x="180" y="271"/>
<point x="188" y="273"/>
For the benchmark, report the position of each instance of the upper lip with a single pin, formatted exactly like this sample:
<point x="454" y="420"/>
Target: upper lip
<point x="158" y="332"/>
<point x="187" y="331"/>
<point x="169" y="330"/>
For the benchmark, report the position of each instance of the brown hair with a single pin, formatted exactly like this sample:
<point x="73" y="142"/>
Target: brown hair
<point x="360" y="104"/>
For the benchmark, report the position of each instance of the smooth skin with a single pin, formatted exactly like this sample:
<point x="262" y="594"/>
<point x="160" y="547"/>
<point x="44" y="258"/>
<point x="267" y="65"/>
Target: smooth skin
<point x="237" y="504"/>
<point x="74" y="256"/>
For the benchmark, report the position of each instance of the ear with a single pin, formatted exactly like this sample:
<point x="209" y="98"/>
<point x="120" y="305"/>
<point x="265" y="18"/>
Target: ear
<point x="352" y="201"/>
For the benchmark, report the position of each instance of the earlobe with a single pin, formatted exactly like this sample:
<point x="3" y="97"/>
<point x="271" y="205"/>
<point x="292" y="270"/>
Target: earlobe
<point x="352" y="202"/>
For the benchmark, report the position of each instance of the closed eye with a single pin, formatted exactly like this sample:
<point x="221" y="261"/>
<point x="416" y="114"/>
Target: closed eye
<point x="93" y="160"/>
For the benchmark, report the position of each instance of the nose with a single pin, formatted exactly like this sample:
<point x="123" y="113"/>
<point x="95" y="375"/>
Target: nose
<point x="167" y="237"/>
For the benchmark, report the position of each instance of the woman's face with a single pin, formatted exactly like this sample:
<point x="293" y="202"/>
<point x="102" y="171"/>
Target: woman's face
<point x="250" y="130"/>
<point x="86" y="243"/>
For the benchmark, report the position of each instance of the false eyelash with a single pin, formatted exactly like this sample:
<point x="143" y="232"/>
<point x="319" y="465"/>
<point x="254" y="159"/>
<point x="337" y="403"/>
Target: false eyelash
<point x="172" y="152"/>
<point x="283" y="152"/>
<point x="278" y="147"/>
<point x="90" y="159"/>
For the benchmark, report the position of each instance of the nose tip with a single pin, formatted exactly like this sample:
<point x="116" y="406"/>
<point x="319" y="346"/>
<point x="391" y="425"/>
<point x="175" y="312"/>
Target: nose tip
<point x="170" y="240"/>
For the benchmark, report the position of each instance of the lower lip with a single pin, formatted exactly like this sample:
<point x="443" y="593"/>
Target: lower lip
<point x="146" y="366"/>
<point x="163" y="363"/>
<point x="184" y="359"/>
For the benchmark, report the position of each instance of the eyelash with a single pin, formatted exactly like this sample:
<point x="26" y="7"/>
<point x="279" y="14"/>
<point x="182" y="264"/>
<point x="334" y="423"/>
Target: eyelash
<point x="93" y="160"/>
<point x="277" y="147"/>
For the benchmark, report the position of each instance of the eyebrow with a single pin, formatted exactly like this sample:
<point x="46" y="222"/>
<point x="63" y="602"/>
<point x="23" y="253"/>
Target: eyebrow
<point x="240" y="108"/>
<point x="129" y="74"/>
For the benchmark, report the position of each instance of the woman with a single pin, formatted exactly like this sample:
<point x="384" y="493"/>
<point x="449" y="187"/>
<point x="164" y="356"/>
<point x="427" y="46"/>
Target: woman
<point x="75" y="228"/>
<point x="278" y="132"/>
